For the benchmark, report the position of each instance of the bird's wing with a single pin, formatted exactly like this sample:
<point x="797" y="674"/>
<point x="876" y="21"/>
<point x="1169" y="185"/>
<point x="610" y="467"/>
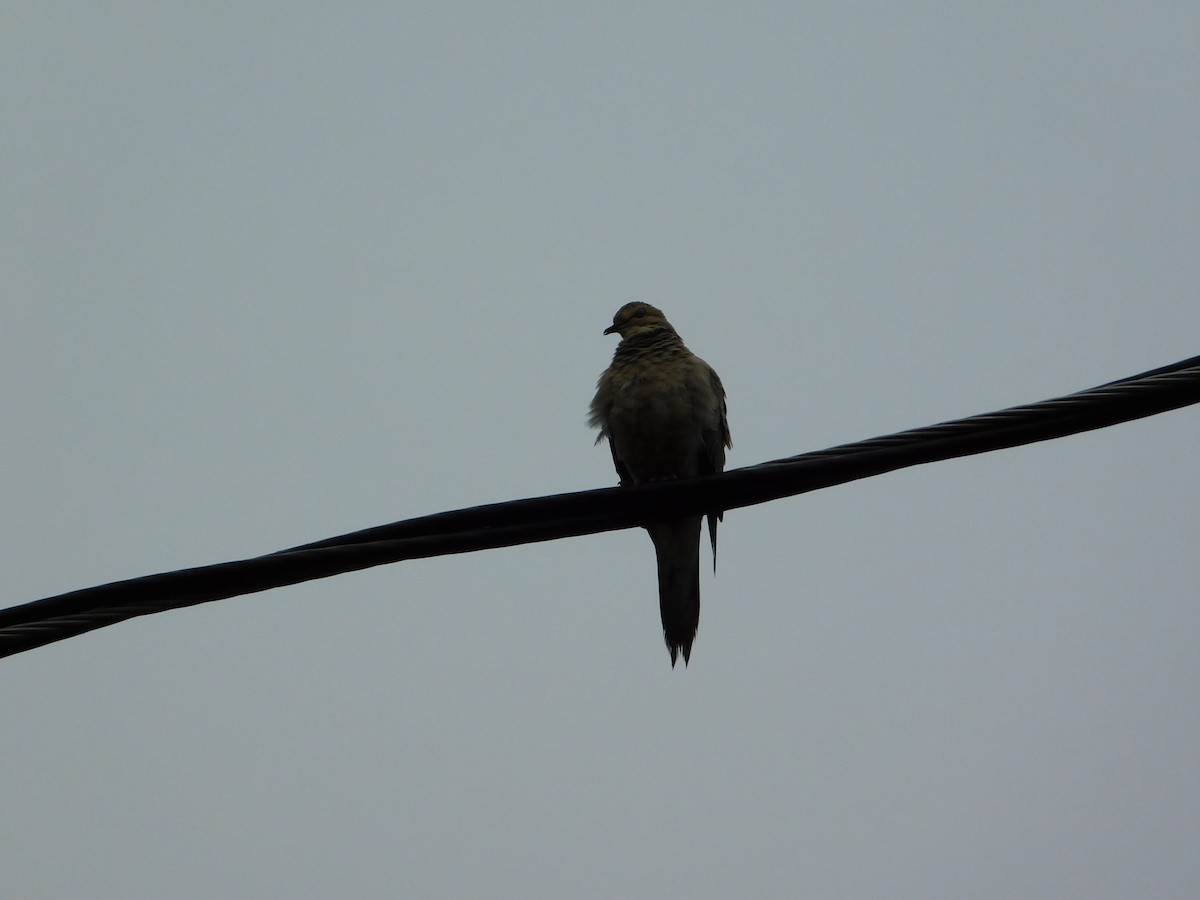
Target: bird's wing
<point x="714" y="440"/>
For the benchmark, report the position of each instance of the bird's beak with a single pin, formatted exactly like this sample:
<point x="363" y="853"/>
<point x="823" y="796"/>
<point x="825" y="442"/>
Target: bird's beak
<point x="610" y="329"/>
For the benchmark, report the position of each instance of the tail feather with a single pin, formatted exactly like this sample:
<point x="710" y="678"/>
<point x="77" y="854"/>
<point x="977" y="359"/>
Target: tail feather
<point x="677" y="547"/>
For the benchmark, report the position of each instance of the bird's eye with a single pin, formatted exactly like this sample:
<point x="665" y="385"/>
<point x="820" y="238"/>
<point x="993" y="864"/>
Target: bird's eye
<point x="641" y="312"/>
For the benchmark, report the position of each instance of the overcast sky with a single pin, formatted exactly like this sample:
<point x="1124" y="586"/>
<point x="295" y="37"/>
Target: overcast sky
<point x="276" y="271"/>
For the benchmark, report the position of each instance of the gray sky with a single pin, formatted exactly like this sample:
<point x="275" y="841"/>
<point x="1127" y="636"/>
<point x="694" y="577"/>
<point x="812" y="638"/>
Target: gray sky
<point x="273" y="272"/>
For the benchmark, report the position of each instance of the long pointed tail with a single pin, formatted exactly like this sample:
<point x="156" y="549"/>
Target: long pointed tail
<point x="677" y="546"/>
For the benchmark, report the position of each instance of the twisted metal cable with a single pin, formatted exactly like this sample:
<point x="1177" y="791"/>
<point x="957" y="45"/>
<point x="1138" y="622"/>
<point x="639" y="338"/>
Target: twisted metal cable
<point x="565" y="515"/>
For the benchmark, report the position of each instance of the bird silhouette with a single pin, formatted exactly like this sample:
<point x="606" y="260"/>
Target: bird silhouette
<point x="662" y="410"/>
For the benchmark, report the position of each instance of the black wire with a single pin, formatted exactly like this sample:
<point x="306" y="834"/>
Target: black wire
<point x="565" y="515"/>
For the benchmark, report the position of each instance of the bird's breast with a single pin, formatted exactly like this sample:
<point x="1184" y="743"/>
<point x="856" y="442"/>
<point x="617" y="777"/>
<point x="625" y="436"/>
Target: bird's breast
<point x="653" y="429"/>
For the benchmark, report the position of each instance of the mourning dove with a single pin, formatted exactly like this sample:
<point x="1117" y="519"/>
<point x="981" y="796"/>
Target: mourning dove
<point x="662" y="409"/>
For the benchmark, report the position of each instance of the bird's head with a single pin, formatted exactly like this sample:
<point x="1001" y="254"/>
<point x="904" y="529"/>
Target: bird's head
<point x="638" y="318"/>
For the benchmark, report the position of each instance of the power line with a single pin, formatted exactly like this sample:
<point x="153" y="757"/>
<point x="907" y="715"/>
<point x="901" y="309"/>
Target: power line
<point x="588" y="512"/>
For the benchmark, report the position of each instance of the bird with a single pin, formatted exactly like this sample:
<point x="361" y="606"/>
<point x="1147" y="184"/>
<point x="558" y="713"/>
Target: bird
<point x="662" y="410"/>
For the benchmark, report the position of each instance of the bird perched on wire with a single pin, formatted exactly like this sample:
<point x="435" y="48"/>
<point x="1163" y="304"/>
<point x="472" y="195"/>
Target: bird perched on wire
<point x="662" y="409"/>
